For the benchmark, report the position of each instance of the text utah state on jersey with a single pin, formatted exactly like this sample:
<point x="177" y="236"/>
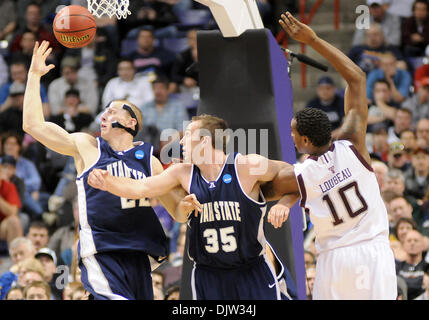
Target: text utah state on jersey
<point x="221" y="211"/>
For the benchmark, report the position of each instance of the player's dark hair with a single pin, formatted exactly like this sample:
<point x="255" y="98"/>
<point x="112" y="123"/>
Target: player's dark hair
<point x="314" y="124"/>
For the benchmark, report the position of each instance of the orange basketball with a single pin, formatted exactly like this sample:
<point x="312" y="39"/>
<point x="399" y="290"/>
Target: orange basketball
<point x="74" y="26"/>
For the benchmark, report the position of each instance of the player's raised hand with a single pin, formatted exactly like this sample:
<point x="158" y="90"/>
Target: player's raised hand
<point x="278" y="215"/>
<point x="190" y="203"/>
<point x="97" y="179"/>
<point x="296" y="30"/>
<point x="38" y="62"/>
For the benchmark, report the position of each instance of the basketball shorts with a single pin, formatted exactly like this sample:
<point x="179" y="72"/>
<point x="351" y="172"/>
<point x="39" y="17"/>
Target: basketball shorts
<point x="363" y="271"/>
<point x="117" y="276"/>
<point x="254" y="281"/>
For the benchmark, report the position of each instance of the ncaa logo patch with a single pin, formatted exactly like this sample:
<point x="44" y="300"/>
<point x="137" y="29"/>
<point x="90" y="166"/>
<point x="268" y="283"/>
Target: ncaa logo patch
<point x="227" y="178"/>
<point x="139" y="154"/>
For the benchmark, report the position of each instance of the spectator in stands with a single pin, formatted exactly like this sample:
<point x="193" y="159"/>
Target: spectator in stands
<point x="391" y="24"/>
<point x="367" y="56"/>
<point x="418" y="103"/>
<point x="147" y="58"/>
<point x="401" y="122"/>
<point x="422" y="132"/>
<point x="399" y="208"/>
<point x="4" y="72"/>
<point x="9" y="174"/>
<point x="47" y="9"/>
<point x="382" y="111"/>
<point x="38" y="234"/>
<point x="329" y="101"/>
<point x="397" y="158"/>
<point x="70" y="288"/>
<point x="395" y="183"/>
<point x="398" y="79"/>
<point x="158" y="285"/>
<point x="416" y="177"/>
<point x="62" y="240"/>
<point x="48" y="259"/>
<point x="424" y="225"/>
<point x="425" y="284"/>
<point x="309" y="277"/>
<point x="20" y="249"/>
<point x="10" y="225"/>
<point x="98" y="59"/>
<point x="37" y="290"/>
<point x="377" y="144"/>
<point x="128" y="86"/>
<point x="18" y="75"/>
<point x="72" y="119"/>
<point x="7" y="19"/>
<point x="68" y="80"/>
<point x="15" y="293"/>
<point x="11" y="114"/>
<point x="34" y="199"/>
<point x="157" y="14"/>
<point x="30" y="270"/>
<point x="172" y="293"/>
<point x="27" y="43"/>
<point x="415" y="30"/>
<point x="33" y="22"/>
<point x="409" y="140"/>
<point x="421" y="71"/>
<point x="182" y="81"/>
<point x="380" y="170"/>
<point x="163" y="112"/>
<point x="400" y="8"/>
<point x="412" y="268"/>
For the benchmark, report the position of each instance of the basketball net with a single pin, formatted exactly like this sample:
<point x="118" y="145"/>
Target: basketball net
<point x="109" y="7"/>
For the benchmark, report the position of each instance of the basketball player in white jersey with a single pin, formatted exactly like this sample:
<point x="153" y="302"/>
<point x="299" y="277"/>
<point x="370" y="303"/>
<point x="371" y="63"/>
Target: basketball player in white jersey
<point x="338" y="188"/>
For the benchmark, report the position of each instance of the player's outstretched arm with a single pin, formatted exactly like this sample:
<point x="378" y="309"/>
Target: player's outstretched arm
<point x="285" y="189"/>
<point x="51" y="135"/>
<point x="178" y="202"/>
<point x="355" y="102"/>
<point x="150" y="187"/>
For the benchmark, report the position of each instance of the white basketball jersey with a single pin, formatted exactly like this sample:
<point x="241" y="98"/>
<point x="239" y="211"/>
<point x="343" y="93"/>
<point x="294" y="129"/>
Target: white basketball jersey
<point x="340" y="192"/>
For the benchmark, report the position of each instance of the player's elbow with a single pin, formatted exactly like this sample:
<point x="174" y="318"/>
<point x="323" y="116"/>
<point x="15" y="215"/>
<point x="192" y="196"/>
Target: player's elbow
<point x="357" y="76"/>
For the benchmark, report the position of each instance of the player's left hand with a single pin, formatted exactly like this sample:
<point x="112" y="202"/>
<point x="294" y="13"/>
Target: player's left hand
<point x="97" y="179"/>
<point x="278" y="215"/>
<point x="190" y="203"/>
<point x="296" y="29"/>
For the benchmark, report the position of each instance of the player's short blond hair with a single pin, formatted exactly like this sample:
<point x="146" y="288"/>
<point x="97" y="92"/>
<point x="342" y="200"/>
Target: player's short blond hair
<point x="136" y="110"/>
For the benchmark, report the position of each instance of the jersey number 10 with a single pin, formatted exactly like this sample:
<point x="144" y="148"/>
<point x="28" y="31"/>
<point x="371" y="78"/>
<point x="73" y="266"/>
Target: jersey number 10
<point x="338" y="220"/>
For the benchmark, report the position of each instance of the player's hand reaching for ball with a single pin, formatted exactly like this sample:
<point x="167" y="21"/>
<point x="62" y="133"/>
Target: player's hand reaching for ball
<point x="38" y="62"/>
<point x="97" y="179"/>
<point x="296" y="30"/>
<point x="189" y="204"/>
<point x="278" y="215"/>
